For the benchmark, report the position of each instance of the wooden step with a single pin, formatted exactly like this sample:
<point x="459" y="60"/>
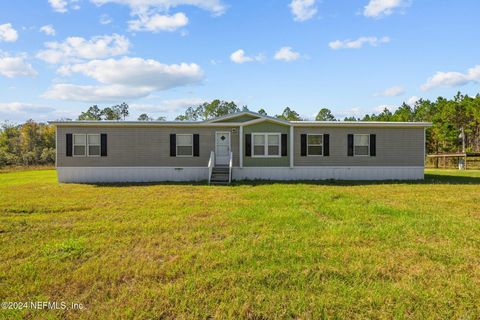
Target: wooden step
<point x="220" y="175"/>
<point x="219" y="178"/>
<point x="219" y="183"/>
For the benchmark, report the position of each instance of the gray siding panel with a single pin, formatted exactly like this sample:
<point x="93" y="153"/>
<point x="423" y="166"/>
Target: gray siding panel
<point x="395" y="147"/>
<point x="143" y="147"/>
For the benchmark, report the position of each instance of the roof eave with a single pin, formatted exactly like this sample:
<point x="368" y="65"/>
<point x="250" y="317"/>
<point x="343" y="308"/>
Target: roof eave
<point x="141" y="124"/>
<point x="367" y="124"/>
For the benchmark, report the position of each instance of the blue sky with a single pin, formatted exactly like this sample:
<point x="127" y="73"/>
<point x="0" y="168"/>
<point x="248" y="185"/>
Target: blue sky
<point x="57" y="57"/>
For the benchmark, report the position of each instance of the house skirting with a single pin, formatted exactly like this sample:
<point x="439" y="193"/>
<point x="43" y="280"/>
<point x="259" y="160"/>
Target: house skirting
<point x="157" y="174"/>
<point x="130" y="174"/>
<point x="325" y="173"/>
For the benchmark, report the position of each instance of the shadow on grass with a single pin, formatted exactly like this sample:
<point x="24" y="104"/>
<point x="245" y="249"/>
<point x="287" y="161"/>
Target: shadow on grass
<point x="430" y="178"/>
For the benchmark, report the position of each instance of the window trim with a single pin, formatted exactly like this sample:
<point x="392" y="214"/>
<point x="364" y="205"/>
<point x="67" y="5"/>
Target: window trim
<point x="177" y="145"/>
<point x="85" y="145"/>
<point x="99" y="145"/>
<point x="354" y="150"/>
<point x="265" y="145"/>
<point x="315" y="145"/>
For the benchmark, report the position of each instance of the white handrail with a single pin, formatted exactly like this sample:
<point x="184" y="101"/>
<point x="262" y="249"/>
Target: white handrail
<point x="211" y="164"/>
<point x="230" y="168"/>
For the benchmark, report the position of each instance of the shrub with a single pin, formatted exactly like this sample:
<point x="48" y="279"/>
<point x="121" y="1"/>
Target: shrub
<point x="48" y="156"/>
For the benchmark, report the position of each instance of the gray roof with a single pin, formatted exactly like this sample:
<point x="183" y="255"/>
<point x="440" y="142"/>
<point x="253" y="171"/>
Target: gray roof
<point x="260" y="118"/>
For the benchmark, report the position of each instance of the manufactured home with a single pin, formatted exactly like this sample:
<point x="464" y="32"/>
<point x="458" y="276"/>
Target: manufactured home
<point x="244" y="145"/>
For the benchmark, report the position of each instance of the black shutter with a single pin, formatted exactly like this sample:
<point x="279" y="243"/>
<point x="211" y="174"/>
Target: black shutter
<point x="196" y="145"/>
<point x="69" y="144"/>
<point x="303" y="145"/>
<point x="350" y="145"/>
<point x="284" y="145"/>
<point x="248" y="145"/>
<point x="173" y="145"/>
<point x="326" y="145"/>
<point x="103" y="145"/>
<point x="373" y="145"/>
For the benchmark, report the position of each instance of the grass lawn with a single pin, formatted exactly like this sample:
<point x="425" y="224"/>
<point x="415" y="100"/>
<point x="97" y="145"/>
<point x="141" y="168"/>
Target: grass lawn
<point x="257" y="251"/>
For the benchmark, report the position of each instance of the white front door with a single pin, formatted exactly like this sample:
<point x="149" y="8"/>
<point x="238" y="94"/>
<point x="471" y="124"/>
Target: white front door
<point x="222" y="148"/>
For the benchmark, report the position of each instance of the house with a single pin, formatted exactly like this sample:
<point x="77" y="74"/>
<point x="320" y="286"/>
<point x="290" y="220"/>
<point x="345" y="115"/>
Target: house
<point x="243" y="145"/>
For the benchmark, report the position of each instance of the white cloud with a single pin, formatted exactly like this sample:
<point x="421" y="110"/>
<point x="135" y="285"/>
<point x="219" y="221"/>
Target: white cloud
<point x="125" y="78"/>
<point x="105" y="19"/>
<point x="77" y="48"/>
<point x="351" y="112"/>
<point x="214" y="6"/>
<point x="392" y="92"/>
<point x="158" y="22"/>
<point x="382" y="107"/>
<point x="94" y="93"/>
<point x="59" y="5"/>
<point x="48" y="30"/>
<point x="286" y="54"/>
<point x="412" y="100"/>
<point x="452" y="79"/>
<point x="169" y="106"/>
<point x="358" y="43"/>
<point x="23" y="107"/>
<point x="62" y="6"/>
<point x="240" y="57"/>
<point x="380" y="8"/>
<point x="303" y="10"/>
<point x="15" y="66"/>
<point x="20" y="112"/>
<point x="8" y="33"/>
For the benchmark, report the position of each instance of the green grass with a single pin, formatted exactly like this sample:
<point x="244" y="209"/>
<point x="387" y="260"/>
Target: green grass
<point x="264" y="250"/>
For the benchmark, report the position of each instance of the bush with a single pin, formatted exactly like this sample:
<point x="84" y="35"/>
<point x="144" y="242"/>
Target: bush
<point x="29" y="158"/>
<point x="48" y="156"/>
<point x="8" y="159"/>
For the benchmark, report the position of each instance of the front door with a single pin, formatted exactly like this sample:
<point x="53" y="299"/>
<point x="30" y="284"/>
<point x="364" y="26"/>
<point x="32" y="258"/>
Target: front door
<point x="222" y="148"/>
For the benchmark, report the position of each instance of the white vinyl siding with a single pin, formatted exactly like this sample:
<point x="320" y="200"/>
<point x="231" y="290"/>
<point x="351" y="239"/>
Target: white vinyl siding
<point x="315" y="145"/>
<point x="266" y="145"/>
<point x="361" y="144"/>
<point x="79" y="145"/>
<point x="184" y="145"/>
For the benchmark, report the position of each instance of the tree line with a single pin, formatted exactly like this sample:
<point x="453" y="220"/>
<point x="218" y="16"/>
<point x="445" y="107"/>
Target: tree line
<point x="33" y="143"/>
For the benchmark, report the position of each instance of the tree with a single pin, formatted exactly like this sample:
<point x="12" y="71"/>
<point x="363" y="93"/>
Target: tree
<point x="325" y="115"/>
<point x="93" y="113"/>
<point x="28" y="144"/>
<point x="161" y="118"/>
<point x="289" y="114"/>
<point x="385" y="115"/>
<point x="209" y="110"/>
<point x="123" y="110"/>
<point x="218" y="108"/>
<point x="404" y="113"/>
<point x="111" y="113"/>
<point x="350" y="119"/>
<point x="144" y="117"/>
<point x="262" y="112"/>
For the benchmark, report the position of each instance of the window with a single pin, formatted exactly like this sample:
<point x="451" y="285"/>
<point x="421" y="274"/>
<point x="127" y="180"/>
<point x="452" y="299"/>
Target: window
<point x="266" y="145"/>
<point x="361" y="144"/>
<point x="93" y="145"/>
<point x="79" y="145"/>
<point x="184" y="145"/>
<point x="258" y="145"/>
<point x="315" y="145"/>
